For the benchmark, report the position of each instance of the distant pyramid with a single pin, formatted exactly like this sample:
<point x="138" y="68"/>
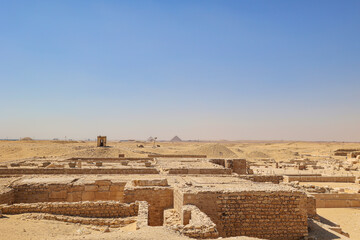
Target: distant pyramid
<point x="150" y="139"/>
<point x="176" y="139"/>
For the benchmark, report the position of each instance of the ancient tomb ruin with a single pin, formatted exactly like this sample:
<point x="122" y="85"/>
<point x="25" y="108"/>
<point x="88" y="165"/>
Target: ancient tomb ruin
<point x="197" y="197"/>
<point x="101" y="141"/>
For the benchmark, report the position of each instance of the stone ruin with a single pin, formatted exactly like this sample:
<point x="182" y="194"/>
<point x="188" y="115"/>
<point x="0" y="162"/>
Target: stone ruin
<point x="190" y="194"/>
<point x="101" y="141"/>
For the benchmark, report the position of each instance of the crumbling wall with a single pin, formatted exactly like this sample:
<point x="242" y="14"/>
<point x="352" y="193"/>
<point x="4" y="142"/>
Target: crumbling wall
<point x="6" y="196"/>
<point x="320" y="178"/>
<point x="103" y="209"/>
<point x="191" y="222"/>
<point x="269" y="215"/>
<point x="263" y="178"/>
<point x="176" y="156"/>
<point x="112" y="222"/>
<point x="143" y="215"/>
<point x="218" y="161"/>
<point x="99" y="190"/>
<point x="238" y="166"/>
<point x="224" y="171"/>
<point x="23" y="171"/>
<point x="197" y="224"/>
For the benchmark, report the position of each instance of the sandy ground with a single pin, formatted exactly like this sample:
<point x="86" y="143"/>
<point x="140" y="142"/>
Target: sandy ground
<point x="347" y="218"/>
<point x="280" y="151"/>
<point x="19" y="227"/>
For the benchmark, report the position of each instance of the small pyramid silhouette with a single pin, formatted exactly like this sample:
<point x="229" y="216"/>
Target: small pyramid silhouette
<point x="176" y="139"/>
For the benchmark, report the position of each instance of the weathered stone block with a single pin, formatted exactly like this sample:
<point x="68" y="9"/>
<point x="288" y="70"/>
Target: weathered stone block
<point x="102" y="182"/>
<point x="102" y="196"/>
<point x="91" y="188"/>
<point x="74" y="197"/>
<point x="88" y="196"/>
<point x="58" y="194"/>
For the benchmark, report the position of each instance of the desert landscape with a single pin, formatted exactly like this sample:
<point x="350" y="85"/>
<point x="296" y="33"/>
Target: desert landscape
<point x="179" y="120"/>
<point x="173" y="189"/>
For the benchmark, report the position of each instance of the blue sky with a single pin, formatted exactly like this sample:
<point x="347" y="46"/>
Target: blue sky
<point x="255" y="70"/>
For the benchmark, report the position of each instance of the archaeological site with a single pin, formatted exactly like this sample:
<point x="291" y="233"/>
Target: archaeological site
<point x="186" y="193"/>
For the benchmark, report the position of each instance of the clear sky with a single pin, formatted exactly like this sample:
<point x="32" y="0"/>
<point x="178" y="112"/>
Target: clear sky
<point x="257" y="70"/>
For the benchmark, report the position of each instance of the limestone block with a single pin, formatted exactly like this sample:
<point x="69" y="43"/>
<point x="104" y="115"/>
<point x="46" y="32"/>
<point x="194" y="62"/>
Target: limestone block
<point x="116" y="196"/>
<point x="88" y="196"/>
<point x="103" y="188"/>
<point x="102" y="196"/>
<point x="91" y="188"/>
<point x="103" y="182"/>
<point x="74" y="197"/>
<point x="114" y="188"/>
<point x="58" y="194"/>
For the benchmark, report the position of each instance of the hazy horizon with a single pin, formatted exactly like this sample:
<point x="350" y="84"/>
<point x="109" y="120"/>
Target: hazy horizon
<point x="208" y="70"/>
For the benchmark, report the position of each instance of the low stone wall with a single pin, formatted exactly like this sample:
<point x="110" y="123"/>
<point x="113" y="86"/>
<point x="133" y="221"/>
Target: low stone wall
<point x="23" y="171"/>
<point x="7" y="196"/>
<point x="224" y="171"/>
<point x="175" y="156"/>
<point x="111" y="222"/>
<point x="303" y="175"/>
<point x="337" y="200"/>
<point x="269" y="215"/>
<point x="119" y="159"/>
<point x="96" y="191"/>
<point x="263" y="178"/>
<point x="103" y="209"/>
<point x="238" y="166"/>
<point x="218" y="161"/>
<point x="197" y="224"/>
<point x="350" y="179"/>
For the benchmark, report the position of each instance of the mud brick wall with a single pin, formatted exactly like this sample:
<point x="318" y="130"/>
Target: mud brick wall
<point x="175" y="156"/>
<point x="263" y="178"/>
<point x="311" y="206"/>
<point x="112" y="222"/>
<point x="239" y="166"/>
<point x="7" y="196"/>
<point x="337" y="200"/>
<point x="119" y="159"/>
<point x="341" y="154"/>
<point x="269" y="215"/>
<point x="224" y="171"/>
<point x="23" y="171"/>
<point x="320" y="178"/>
<point x="99" y="190"/>
<point x="108" y="209"/>
<point x="158" y="198"/>
<point x="218" y="161"/>
<point x="178" y="201"/>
